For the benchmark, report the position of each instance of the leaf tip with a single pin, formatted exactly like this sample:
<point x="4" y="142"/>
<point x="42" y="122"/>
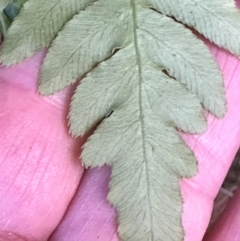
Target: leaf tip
<point x="45" y="88"/>
<point x="221" y="110"/>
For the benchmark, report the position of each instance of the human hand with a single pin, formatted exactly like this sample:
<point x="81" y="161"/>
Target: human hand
<point x="46" y="194"/>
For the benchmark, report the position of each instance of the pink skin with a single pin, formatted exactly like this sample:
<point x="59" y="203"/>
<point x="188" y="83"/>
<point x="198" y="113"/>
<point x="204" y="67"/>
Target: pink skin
<point x="44" y="194"/>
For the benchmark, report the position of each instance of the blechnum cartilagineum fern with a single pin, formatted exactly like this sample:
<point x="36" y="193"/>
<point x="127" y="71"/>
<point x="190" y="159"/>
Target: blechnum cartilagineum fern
<point x="157" y="83"/>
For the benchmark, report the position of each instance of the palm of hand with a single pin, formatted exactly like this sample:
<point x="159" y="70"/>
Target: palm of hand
<point x="40" y="170"/>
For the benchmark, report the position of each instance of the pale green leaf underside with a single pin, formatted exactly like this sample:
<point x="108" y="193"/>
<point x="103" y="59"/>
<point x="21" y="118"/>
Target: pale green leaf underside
<point x="217" y="20"/>
<point x="36" y="26"/>
<point x="144" y="151"/>
<point x="139" y="139"/>
<point x="97" y="37"/>
<point x="157" y="82"/>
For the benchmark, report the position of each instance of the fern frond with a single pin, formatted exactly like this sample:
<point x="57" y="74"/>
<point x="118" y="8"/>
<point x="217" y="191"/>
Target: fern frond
<point x="89" y="39"/>
<point x="217" y="20"/>
<point x="155" y="77"/>
<point x="36" y="26"/>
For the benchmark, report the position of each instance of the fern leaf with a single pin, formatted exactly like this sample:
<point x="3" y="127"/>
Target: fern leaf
<point x="90" y="41"/>
<point x="33" y="29"/>
<point x="217" y="20"/>
<point x="151" y="73"/>
<point x="147" y="105"/>
<point x="142" y="145"/>
<point x="186" y="62"/>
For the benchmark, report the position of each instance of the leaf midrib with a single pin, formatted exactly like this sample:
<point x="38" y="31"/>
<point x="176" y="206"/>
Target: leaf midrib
<point x="141" y="118"/>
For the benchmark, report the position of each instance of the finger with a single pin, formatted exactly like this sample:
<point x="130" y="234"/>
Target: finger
<point x="39" y="161"/>
<point x="89" y="214"/>
<point x="227" y="226"/>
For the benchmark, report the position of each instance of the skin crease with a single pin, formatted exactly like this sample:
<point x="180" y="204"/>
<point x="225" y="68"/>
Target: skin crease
<point x="46" y="194"/>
